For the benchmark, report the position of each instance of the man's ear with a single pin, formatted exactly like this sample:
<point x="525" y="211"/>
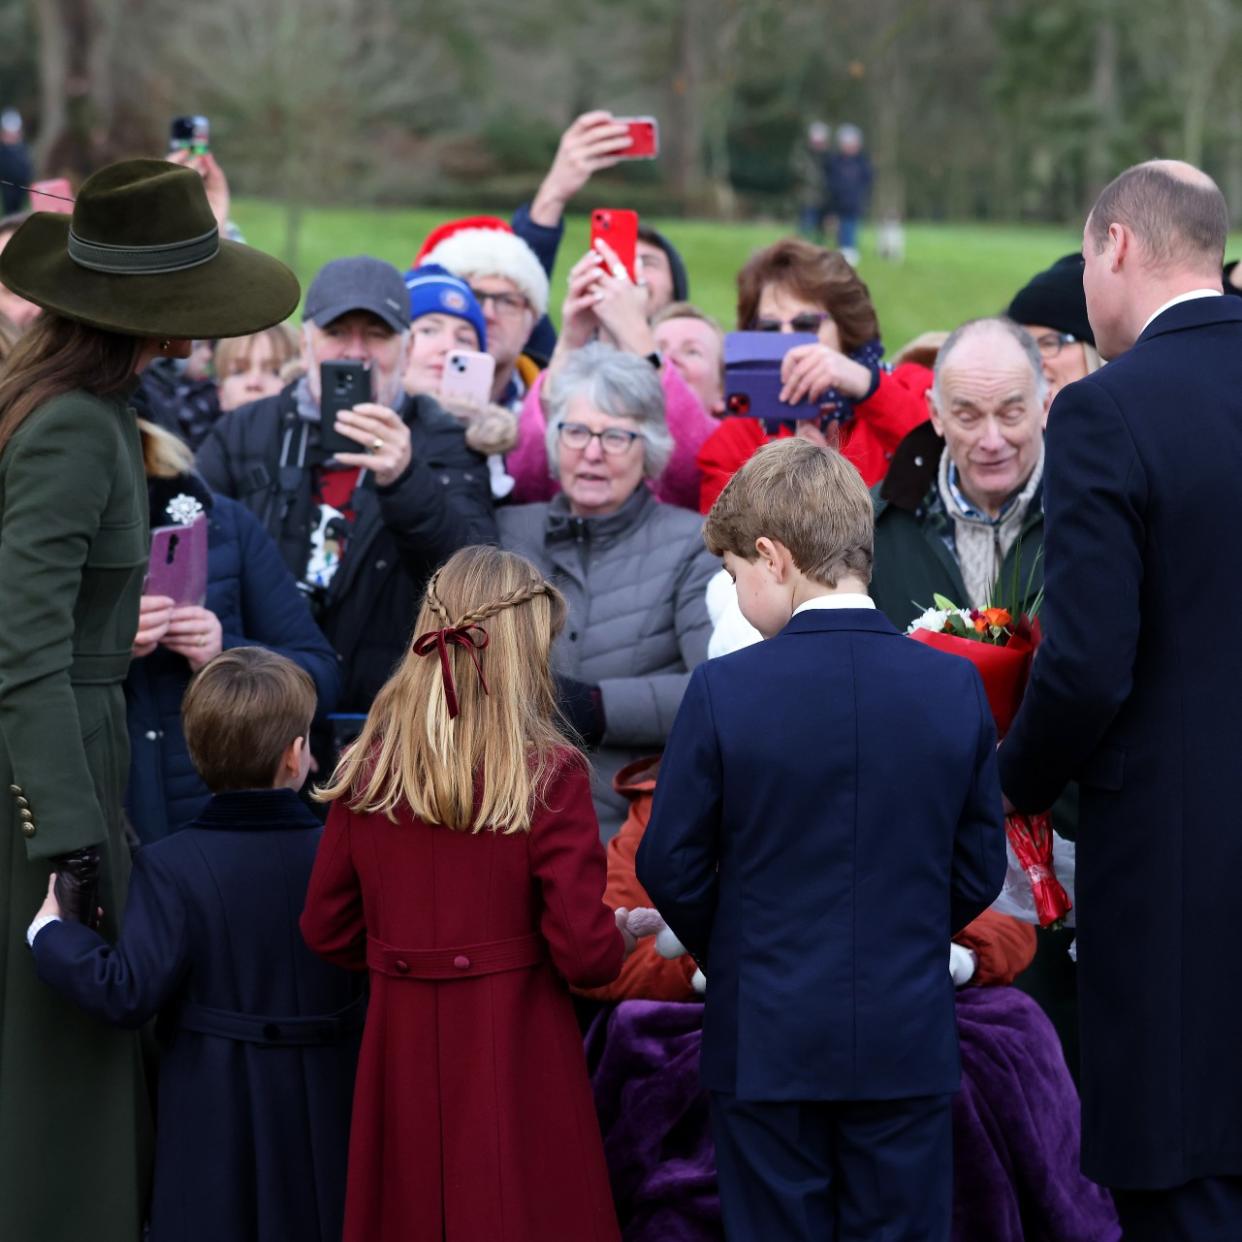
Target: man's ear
<point x="1119" y="241"/>
<point x="933" y="413"/>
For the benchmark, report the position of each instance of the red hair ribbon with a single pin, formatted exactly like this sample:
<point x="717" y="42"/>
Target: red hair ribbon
<point x="473" y="638"/>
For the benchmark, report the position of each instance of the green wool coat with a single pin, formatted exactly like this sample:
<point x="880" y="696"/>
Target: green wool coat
<point x="74" y="1121"/>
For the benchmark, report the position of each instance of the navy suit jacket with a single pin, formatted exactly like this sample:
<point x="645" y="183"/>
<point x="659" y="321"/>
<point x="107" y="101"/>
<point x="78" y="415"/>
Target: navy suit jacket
<point x="828" y="814"/>
<point x="1135" y="692"/>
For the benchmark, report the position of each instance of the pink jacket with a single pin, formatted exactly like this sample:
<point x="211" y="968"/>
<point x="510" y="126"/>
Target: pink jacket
<point x="688" y="423"/>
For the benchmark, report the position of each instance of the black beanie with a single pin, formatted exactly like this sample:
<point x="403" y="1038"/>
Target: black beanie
<point x="676" y="265"/>
<point x="1055" y="299"/>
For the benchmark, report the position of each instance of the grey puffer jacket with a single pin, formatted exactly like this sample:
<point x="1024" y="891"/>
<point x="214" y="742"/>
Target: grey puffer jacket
<point x="636" y="584"/>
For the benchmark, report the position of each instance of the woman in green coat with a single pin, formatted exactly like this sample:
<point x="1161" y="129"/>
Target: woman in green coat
<point x="137" y="272"/>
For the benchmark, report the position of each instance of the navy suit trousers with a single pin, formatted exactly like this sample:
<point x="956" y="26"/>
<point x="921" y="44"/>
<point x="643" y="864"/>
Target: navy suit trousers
<point x="841" y="1171"/>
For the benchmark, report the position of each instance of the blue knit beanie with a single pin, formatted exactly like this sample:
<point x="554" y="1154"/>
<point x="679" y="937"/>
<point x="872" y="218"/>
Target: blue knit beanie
<point x="434" y="291"/>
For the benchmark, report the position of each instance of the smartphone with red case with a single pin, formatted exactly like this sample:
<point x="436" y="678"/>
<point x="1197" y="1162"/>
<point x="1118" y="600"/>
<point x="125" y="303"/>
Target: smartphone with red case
<point x="644" y="137"/>
<point x="468" y="375"/>
<point x="619" y="228"/>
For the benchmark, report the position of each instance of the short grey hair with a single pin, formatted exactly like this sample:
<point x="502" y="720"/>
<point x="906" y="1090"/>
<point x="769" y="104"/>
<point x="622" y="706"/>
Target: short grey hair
<point x="618" y="384"/>
<point x="993" y="323"/>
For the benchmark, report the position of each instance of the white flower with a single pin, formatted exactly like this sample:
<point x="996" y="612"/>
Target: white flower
<point x="184" y="509"/>
<point x="934" y="619"/>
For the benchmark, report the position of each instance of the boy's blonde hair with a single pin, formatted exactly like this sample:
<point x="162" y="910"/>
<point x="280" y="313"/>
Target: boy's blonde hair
<point x="488" y="766"/>
<point x="808" y="498"/>
<point x="240" y="715"/>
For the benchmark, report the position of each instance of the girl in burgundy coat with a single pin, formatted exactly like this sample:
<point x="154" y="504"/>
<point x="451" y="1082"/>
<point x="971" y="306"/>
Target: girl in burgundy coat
<point x="461" y="866"/>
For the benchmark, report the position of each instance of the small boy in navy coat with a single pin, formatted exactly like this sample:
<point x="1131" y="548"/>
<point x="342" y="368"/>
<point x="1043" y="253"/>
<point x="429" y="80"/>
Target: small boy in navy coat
<point x="259" y="1036"/>
<point x="828" y="815"/>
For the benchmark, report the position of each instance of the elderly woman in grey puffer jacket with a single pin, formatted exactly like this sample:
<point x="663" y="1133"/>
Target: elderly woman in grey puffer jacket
<point x="634" y="571"/>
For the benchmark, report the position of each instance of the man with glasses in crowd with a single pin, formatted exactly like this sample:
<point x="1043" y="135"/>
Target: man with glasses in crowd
<point x="360" y="531"/>
<point x="510" y="285"/>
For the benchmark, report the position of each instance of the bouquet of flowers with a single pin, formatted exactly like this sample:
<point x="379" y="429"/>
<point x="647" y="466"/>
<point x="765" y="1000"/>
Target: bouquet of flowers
<point x="1002" y="649"/>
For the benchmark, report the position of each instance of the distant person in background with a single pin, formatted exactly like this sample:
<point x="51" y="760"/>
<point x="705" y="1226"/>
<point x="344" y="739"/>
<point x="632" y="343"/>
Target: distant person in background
<point x="793" y="286"/>
<point x="249" y="368"/>
<point x="16" y="309"/>
<point x="693" y="342"/>
<point x="508" y="282"/>
<point x="252" y="601"/>
<point x="1052" y="307"/>
<point x="445" y="316"/>
<point x="849" y="188"/>
<point x="16" y="165"/>
<point x="809" y="178"/>
<point x="179" y="395"/>
<point x="661" y="270"/>
<point x="604" y="304"/>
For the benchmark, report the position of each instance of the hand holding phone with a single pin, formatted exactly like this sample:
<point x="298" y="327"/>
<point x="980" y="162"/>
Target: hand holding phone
<point x="617" y="228"/>
<point x="644" y="137"/>
<point x="468" y="376"/>
<point x="342" y="385"/>
<point x="190" y="133"/>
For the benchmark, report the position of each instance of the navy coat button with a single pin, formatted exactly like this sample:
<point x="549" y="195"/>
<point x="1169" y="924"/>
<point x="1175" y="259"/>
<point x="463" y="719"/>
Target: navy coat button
<point x="401" y="966"/>
<point x="151" y="735"/>
<point x="462" y="962"/>
<point x="271" y="1031"/>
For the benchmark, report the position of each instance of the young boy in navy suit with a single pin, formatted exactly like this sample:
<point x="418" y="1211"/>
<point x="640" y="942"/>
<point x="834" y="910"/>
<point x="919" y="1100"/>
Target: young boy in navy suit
<point x="259" y="1036"/>
<point x="828" y="815"/>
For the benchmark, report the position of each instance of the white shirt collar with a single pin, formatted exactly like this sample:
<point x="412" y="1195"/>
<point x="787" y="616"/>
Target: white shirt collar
<point x="1181" y="297"/>
<point x="835" y="601"/>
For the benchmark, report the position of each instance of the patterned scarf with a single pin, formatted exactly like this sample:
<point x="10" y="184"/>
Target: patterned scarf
<point x="980" y="542"/>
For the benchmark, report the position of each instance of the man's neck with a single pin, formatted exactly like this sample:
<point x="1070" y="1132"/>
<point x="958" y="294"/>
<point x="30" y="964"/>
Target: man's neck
<point x="1157" y="294"/>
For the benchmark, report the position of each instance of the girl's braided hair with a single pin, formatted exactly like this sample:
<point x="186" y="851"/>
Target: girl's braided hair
<point x="476" y="616"/>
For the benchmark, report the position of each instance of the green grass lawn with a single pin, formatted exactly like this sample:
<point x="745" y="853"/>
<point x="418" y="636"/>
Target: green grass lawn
<point x="951" y="272"/>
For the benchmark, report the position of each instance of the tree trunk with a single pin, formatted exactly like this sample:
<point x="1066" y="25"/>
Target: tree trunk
<point x="1104" y="106"/>
<point x="66" y="37"/>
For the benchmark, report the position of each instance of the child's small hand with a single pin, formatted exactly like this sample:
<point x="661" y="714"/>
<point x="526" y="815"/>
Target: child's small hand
<point x="50" y="907"/>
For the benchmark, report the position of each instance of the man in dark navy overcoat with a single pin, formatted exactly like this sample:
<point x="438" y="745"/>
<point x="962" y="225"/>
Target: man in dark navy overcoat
<point x="1135" y="693"/>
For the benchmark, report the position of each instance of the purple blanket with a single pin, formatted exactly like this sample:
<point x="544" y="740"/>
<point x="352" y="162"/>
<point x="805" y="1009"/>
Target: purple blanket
<point x="1015" y="1126"/>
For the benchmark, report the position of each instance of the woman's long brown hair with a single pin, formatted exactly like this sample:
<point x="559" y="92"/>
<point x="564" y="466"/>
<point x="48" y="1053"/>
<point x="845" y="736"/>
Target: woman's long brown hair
<point x="55" y="356"/>
<point x="489" y="766"/>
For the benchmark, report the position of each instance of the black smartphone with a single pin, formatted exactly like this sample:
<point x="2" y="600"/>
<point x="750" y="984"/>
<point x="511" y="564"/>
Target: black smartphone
<point x="190" y="133"/>
<point x="342" y="385"/>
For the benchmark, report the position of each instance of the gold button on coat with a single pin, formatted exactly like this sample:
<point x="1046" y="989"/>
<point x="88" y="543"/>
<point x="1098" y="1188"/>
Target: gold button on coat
<point x="25" y="813"/>
<point x="15" y="789"/>
<point x="28" y="829"/>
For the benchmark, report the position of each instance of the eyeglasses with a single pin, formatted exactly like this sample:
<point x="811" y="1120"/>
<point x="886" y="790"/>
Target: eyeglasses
<point x="614" y="441"/>
<point x="808" y="321"/>
<point x="506" y="303"/>
<point x="1050" y="343"/>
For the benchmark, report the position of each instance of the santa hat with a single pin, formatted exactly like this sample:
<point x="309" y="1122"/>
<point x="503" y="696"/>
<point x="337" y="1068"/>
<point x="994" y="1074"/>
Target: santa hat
<point x="487" y="246"/>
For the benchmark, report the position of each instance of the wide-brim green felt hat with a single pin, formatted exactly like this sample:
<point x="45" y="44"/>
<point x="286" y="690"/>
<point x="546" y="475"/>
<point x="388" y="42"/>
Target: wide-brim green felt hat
<point x="142" y="255"/>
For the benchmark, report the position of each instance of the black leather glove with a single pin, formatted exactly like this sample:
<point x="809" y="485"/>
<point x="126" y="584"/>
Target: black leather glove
<point x="582" y="708"/>
<point x="77" y="885"/>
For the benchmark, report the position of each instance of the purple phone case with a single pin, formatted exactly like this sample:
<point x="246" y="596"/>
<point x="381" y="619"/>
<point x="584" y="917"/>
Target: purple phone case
<point x="753" y="376"/>
<point x="178" y="567"/>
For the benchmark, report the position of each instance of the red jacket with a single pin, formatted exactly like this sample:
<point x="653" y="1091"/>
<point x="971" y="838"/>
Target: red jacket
<point x="869" y="440"/>
<point x="473" y="1117"/>
<point x="1004" y="946"/>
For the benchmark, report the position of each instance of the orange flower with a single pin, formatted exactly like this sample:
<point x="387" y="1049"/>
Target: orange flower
<point x="998" y="617"/>
<point x="981" y="623"/>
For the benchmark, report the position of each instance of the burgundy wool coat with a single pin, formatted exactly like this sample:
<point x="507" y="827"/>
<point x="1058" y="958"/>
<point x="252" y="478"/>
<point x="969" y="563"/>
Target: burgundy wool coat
<point x="473" y="1119"/>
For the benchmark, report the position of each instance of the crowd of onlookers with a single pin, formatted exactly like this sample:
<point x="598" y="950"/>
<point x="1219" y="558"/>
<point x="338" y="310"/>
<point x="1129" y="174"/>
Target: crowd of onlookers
<point x="594" y="455"/>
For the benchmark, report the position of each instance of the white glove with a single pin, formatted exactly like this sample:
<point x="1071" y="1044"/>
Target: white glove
<point x="962" y="963"/>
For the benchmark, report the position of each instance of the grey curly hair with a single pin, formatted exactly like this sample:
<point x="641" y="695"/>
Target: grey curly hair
<point x="618" y="384"/>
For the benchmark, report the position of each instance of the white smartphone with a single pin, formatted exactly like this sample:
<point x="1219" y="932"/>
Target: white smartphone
<point x="468" y="376"/>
